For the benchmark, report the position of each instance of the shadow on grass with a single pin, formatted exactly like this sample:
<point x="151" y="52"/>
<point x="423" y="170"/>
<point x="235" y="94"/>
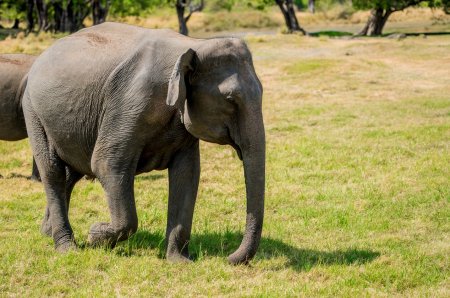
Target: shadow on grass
<point x="150" y="177"/>
<point x="337" y="34"/>
<point x="330" y="33"/>
<point x="215" y="244"/>
<point x="15" y="176"/>
<point x="427" y="33"/>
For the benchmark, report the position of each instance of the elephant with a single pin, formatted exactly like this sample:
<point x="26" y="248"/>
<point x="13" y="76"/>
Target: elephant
<point x="113" y="101"/>
<point x="13" y="77"/>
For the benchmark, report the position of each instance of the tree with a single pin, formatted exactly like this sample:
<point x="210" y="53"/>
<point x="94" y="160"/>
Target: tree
<point x="181" y="6"/>
<point x="42" y="14"/>
<point x="30" y="18"/>
<point x="287" y="9"/>
<point x="381" y="10"/>
<point x="99" y="12"/>
<point x="69" y="15"/>
<point x="15" y="25"/>
<point x="312" y="6"/>
<point x="56" y="15"/>
<point x="13" y="10"/>
<point x="446" y="6"/>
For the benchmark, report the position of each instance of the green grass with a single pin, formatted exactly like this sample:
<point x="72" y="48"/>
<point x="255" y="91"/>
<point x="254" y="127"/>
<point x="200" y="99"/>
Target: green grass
<point x="357" y="196"/>
<point x="309" y="65"/>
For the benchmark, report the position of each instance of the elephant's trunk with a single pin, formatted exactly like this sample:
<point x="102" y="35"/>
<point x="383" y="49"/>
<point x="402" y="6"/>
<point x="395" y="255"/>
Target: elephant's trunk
<point x="253" y="148"/>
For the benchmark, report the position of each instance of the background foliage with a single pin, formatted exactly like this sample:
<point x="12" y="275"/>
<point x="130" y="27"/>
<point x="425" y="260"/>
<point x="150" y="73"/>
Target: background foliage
<point x="398" y="4"/>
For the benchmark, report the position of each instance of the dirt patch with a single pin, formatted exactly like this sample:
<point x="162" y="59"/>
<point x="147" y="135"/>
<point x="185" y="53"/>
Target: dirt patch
<point x="96" y="38"/>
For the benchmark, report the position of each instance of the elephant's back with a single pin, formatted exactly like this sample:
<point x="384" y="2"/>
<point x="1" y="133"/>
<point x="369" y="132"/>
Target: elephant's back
<point x="68" y="78"/>
<point x="13" y="71"/>
<point x="76" y="73"/>
<point x="96" y="50"/>
<point x="11" y="74"/>
<point x="85" y="58"/>
<point x="21" y="63"/>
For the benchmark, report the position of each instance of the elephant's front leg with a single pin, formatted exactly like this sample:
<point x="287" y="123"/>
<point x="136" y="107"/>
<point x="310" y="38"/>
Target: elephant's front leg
<point x="118" y="183"/>
<point x="184" y="173"/>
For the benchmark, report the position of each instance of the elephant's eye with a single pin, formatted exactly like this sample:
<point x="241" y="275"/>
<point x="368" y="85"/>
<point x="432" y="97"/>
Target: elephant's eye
<point x="230" y="98"/>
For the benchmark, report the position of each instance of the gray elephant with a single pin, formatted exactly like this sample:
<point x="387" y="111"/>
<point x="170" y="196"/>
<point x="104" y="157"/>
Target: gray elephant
<point x="13" y="77"/>
<point x="113" y="101"/>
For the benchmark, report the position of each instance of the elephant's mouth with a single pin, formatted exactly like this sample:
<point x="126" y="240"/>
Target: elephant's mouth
<point x="238" y="150"/>
<point x="234" y="145"/>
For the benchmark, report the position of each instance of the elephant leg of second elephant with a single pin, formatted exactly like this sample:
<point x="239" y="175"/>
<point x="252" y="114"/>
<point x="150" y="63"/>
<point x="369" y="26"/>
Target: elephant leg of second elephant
<point x="184" y="173"/>
<point x="72" y="177"/>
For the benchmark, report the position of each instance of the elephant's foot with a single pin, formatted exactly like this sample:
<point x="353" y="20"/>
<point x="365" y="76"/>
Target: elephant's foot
<point x="178" y="251"/>
<point x="177" y="258"/>
<point x="66" y="246"/>
<point x="46" y="227"/>
<point x="102" y="234"/>
<point x="64" y="241"/>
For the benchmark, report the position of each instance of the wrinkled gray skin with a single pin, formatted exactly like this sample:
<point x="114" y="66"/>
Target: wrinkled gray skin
<point x="113" y="100"/>
<point x="13" y="77"/>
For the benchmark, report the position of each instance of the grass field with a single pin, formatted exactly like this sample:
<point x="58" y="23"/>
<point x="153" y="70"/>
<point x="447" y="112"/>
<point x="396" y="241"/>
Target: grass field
<point x="357" y="197"/>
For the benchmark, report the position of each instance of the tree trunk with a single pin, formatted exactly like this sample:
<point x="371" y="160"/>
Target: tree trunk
<point x="312" y="6"/>
<point x="99" y="12"/>
<point x="15" y="25"/>
<point x="287" y="9"/>
<point x="30" y="19"/>
<point x="181" y="6"/>
<point x="375" y="24"/>
<point x="58" y="17"/>
<point x="68" y="17"/>
<point x="96" y="7"/>
<point x="81" y="11"/>
<point x="42" y="14"/>
<point x="182" y="27"/>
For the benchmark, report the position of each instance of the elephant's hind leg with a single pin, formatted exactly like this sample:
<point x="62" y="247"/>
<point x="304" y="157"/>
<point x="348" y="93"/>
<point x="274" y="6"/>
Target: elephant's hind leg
<point x="53" y="177"/>
<point x="72" y="177"/>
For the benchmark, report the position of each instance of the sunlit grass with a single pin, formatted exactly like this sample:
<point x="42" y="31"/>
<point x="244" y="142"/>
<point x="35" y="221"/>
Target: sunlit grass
<point x="357" y="196"/>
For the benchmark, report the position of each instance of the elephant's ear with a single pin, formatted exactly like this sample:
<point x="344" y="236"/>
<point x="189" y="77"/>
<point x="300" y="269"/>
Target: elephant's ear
<point x="176" y="95"/>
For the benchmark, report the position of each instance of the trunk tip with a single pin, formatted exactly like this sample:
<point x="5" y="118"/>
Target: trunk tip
<point x="236" y="260"/>
<point x="240" y="257"/>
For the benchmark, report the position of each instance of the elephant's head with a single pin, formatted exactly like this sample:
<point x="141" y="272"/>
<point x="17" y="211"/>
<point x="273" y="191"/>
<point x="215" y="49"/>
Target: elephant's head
<point x="219" y="95"/>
